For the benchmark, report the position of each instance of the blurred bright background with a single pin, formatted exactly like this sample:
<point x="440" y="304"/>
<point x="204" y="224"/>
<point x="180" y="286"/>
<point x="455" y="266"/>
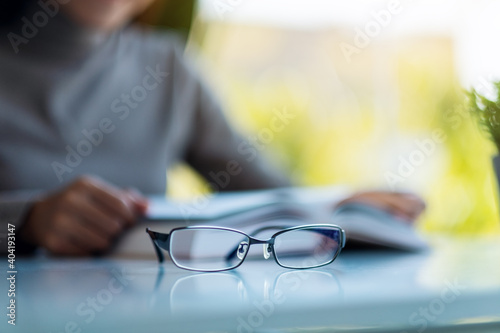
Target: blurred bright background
<point x="376" y="93"/>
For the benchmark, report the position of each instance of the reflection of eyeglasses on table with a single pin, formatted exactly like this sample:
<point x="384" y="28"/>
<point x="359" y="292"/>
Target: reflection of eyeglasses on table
<point x="212" y="249"/>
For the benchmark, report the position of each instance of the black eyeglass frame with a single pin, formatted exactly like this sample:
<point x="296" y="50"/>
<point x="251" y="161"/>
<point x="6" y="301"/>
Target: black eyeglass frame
<point x="162" y="241"/>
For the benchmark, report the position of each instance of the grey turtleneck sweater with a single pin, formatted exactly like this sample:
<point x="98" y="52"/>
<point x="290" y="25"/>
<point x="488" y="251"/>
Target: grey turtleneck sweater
<point x="124" y="107"/>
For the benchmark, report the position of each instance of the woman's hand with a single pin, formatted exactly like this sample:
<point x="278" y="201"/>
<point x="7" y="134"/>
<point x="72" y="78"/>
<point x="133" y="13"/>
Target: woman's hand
<point x="83" y="218"/>
<point x="406" y="206"/>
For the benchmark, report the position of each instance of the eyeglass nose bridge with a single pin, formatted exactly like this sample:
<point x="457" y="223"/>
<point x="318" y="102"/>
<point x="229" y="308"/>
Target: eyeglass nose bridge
<point x="267" y="245"/>
<point x="241" y="250"/>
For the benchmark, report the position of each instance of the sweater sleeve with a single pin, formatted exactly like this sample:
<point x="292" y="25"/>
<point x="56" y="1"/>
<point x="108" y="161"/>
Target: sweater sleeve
<point x="227" y="160"/>
<point x="14" y="207"/>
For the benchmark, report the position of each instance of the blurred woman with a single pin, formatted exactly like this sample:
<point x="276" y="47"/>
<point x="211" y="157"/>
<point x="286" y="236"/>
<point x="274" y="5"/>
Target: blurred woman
<point x="92" y="107"/>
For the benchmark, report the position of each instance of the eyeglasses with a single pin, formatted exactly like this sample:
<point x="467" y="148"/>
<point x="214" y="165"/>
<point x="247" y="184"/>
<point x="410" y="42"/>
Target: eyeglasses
<point x="213" y="249"/>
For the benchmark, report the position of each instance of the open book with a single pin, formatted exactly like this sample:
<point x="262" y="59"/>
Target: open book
<point x="285" y="207"/>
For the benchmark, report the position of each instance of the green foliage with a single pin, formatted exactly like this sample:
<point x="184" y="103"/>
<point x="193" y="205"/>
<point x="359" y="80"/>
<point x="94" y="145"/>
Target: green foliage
<point x="354" y="132"/>
<point x="487" y="112"/>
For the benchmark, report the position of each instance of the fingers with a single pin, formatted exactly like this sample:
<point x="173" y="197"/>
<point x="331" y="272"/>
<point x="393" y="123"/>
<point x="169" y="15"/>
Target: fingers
<point x="403" y="205"/>
<point x="100" y="220"/>
<point x="126" y="205"/>
<point x="140" y="202"/>
<point x="406" y="206"/>
<point x="109" y="199"/>
<point x="83" y="218"/>
<point x="83" y="236"/>
<point x="392" y="202"/>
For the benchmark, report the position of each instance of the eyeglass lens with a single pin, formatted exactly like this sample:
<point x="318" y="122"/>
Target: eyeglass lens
<point x="308" y="247"/>
<point x="207" y="249"/>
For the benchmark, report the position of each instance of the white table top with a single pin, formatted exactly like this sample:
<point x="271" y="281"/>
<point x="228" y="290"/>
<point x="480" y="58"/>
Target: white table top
<point x="454" y="288"/>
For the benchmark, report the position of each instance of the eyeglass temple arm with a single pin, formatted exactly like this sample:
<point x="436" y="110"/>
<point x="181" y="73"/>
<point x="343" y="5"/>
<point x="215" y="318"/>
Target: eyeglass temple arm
<point x="231" y="255"/>
<point x="156" y="238"/>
